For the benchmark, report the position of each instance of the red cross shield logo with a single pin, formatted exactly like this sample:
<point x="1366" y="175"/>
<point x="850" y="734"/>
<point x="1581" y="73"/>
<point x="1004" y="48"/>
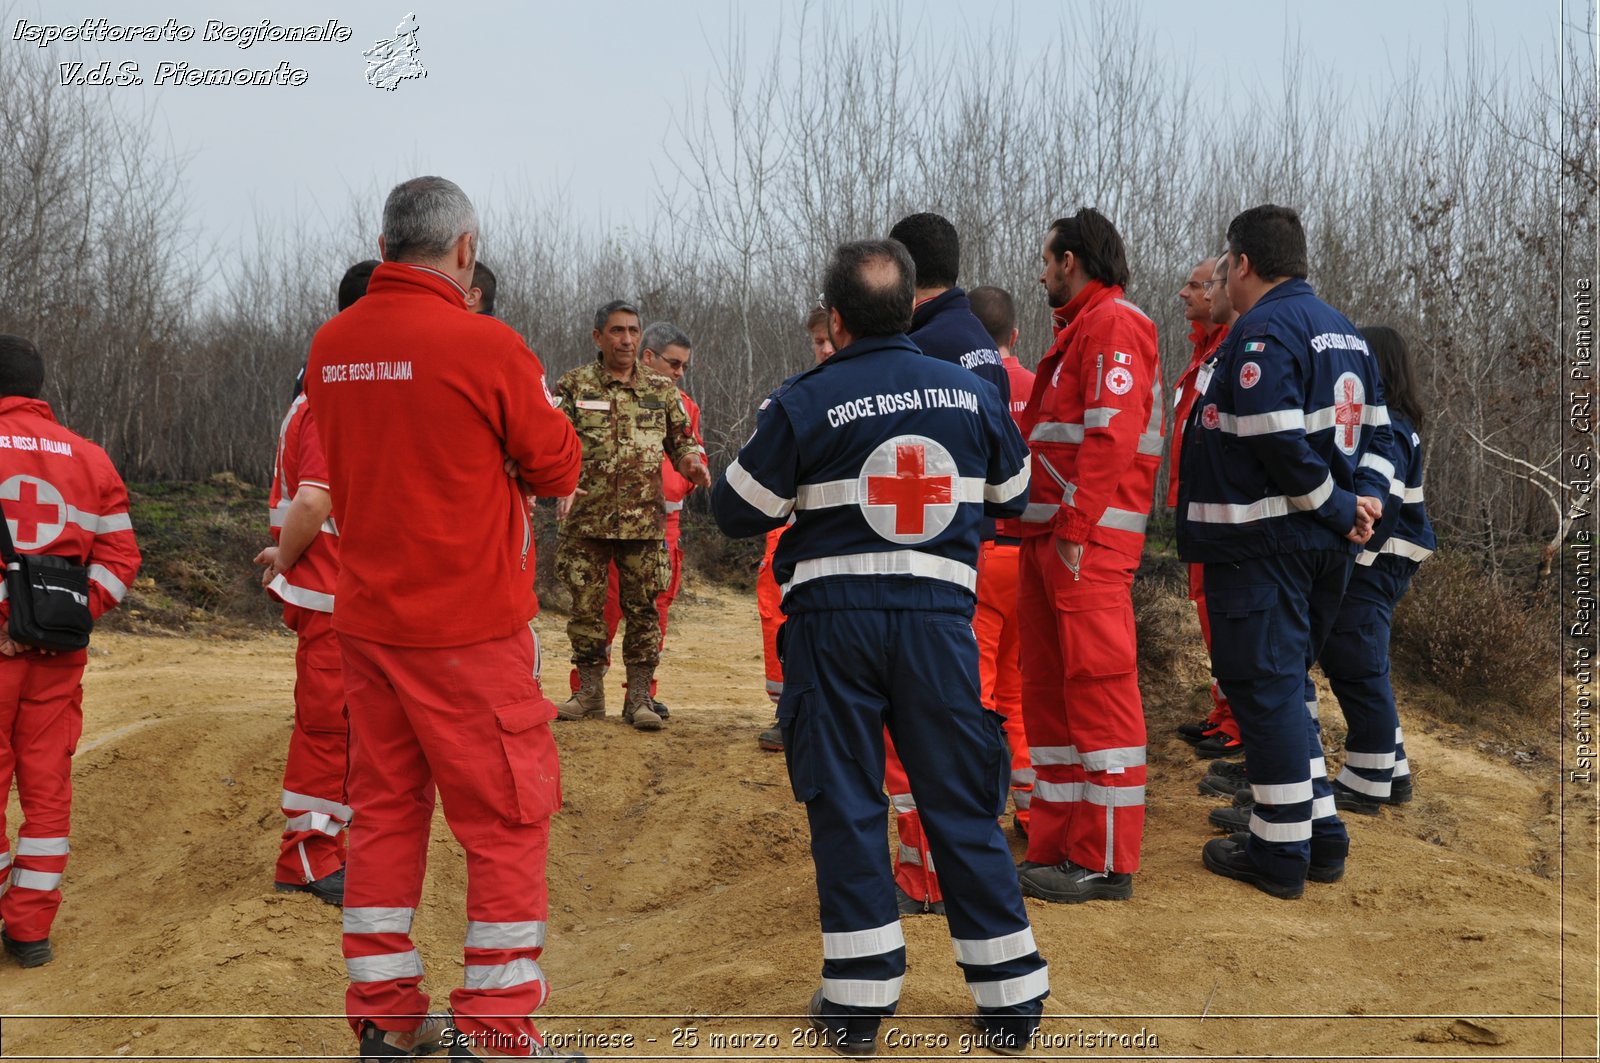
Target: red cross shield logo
<point x="1249" y="375"/>
<point x="1349" y="398"/>
<point x="909" y="488"/>
<point x="1209" y="417"/>
<point x="35" y="511"/>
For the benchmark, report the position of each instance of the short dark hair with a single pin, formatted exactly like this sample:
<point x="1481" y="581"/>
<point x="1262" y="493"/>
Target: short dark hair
<point x="483" y="280"/>
<point x="935" y="248"/>
<point x="21" y="368"/>
<point x="995" y="308"/>
<point x="1091" y="236"/>
<point x="870" y="305"/>
<point x="353" y="285"/>
<point x="1273" y="239"/>
<point x="1400" y="390"/>
<point x="602" y="315"/>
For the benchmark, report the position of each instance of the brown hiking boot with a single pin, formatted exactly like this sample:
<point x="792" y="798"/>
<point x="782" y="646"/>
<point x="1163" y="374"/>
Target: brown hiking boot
<point x="640" y="709"/>
<point x="588" y="702"/>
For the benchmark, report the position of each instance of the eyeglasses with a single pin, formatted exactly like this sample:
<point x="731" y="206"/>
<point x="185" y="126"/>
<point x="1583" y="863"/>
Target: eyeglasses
<point x="1206" y="286"/>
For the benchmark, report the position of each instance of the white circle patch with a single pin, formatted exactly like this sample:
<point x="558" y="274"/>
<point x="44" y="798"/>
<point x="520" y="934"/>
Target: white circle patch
<point x="909" y="489"/>
<point x="1209" y="416"/>
<point x="1349" y="400"/>
<point x="35" y="511"/>
<point x="1249" y="375"/>
<point x="1119" y="380"/>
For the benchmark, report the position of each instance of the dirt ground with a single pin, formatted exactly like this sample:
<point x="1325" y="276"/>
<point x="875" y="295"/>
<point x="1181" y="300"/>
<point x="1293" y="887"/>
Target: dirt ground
<point x="683" y="914"/>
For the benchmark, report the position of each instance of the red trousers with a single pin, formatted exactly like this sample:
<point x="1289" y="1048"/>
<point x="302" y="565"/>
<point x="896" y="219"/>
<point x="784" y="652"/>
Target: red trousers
<point x="1221" y="712"/>
<point x="472" y="721"/>
<point x="1080" y="698"/>
<point x="613" y="610"/>
<point x="769" y="603"/>
<point x="314" y="800"/>
<point x="41" y="720"/>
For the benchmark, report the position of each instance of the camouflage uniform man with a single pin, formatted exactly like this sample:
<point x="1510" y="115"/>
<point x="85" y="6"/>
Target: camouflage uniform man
<point x="627" y="416"/>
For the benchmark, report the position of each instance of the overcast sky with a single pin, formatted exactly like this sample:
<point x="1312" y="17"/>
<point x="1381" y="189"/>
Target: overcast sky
<point x="527" y="98"/>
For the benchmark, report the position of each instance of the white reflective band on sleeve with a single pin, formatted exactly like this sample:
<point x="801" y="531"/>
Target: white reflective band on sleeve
<point x="114" y="586"/>
<point x="754" y="495"/>
<point x="1408" y="550"/>
<point x="378" y="920"/>
<point x="320" y="822"/>
<point x="1366" y="557"/>
<point x="1350" y="779"/>
<point x="24" y="879"/>
<point x="1005" y="492"/>
<point x="855" y="944"/>
<point x="669" y="506"/>
<point x="1124" y="520"/>
<point x="1062" y="793"/>
<point x="5" y="860"/>
<point x="528" y="934"/>
<point x="42" y="847"/>
<point x="1314" y="499"/>
<point x="1056" y="432"/>
<point x="501" y="975"/>
<point x="1152" y="443"/>
<point x="1376" y="761"/>
<point x="774" y="688"/>
<point x="1039" y="513"/>
<point x="1289" y="793"/>
<point x="1236" y="513"/>
<point x="1111" y="759"/>
<point x="831" y="493"/>
<point x="305" y="599"/>
<point x="1009" y="991"/>
<point x="280" y="512"/>
<point x="1041" y="755"/>
<point x="1141" y="313"/>
<point x="98" y="525"/>
<point x="1323" y="807"/>
<point x="1023" y="799"/>
<point x="384" y="967"/>
<point x="903" y="802"/>
<point x="1298" y="831"/>
<point x="1262" y="424"/>
<point x="1113" y="796"/>
<point x="300" y="802"/>
<point x="1383" y="465"/>
<point x="1099" y="416"/>
<point x="1412" y="494"/>
<point x="1023" y="776"/>
<point x="861" y="993"/>
<point x="885" y="563"/>
<point x="1328" y="417"/>
<point x="988" y="951"/>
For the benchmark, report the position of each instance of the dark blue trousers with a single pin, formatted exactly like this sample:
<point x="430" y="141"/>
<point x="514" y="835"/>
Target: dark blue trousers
<point x="1356" y="661"/>
<point x="847" y="674"/>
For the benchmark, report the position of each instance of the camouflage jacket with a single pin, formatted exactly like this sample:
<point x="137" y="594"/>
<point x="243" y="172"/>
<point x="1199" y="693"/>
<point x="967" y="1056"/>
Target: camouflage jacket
<point x="625" y="428"/>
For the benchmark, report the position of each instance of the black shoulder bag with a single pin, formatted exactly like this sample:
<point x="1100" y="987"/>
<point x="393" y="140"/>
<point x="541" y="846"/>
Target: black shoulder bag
<point x="49" y="597"/>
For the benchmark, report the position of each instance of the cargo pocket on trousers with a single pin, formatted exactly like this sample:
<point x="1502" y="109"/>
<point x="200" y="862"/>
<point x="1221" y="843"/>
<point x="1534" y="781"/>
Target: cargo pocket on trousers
<point x="797" y="720"/>
<point x="1242" y="644"/>
<point x="1356" y="650"/>
<point x="1100" y="643"/>
<point x="531" y="755"/>
<point x="998" y="763"/>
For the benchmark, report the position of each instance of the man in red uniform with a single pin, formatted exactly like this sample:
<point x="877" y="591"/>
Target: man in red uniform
<point x="667" y="349"/>
<point x="299" y="571"/>
<point x="1093" y="423"/>
<point x="769" y="596"/>
<point x="1218" y="734"/>
<point x="62" y="497"/>
<point x="995" y="619"/>
<point x="419" y="405"/>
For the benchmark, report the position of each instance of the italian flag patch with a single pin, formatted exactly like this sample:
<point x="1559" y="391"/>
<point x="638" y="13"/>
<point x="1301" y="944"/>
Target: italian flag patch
<point x="1121" y="359"/>
<point x="1251" y="348"/>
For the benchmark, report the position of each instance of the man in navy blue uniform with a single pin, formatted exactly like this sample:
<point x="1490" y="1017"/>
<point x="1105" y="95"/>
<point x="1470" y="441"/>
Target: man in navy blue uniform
<point x="888" y="460"/>
<point x="1281" y="479"/>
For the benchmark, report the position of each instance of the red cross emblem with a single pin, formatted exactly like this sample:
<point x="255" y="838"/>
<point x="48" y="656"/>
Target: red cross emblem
<point x="1209" y="417"/>
<point x="1249" y="375"/>
<point x="908" y="489"/>
<point x="1349" y="396"/>
<point x="36" y="513"/>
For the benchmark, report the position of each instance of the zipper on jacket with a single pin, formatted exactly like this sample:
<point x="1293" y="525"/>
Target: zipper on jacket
<point x="1099" y="363"/>
<point x="527" y="529"/>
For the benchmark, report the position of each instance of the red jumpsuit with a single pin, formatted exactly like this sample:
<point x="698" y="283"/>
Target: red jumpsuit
<point x="1094" y="425"/>
<point x="314" y="799"/>
<point x="674" y="489"/>
<point x="1205" y="346"/>
<point x="435" y="593"/>
<point x="61" y="496"/>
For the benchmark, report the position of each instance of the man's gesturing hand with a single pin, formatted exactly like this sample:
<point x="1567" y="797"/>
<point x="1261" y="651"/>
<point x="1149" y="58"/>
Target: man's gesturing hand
<point x="693" y="468"/>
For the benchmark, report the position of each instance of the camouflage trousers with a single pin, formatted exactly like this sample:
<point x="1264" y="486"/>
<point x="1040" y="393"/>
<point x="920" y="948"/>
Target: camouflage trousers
<point x="644" y="568"/>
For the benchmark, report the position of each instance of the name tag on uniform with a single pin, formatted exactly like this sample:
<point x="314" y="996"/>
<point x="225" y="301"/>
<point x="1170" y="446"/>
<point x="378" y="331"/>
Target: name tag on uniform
<point x="593" y="404"/>
<point x="1202" y="379"/>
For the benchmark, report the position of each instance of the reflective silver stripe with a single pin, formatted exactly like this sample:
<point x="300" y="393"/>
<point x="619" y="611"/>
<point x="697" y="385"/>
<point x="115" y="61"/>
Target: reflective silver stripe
<point x="861" y="993"/>
<point x="1402" y="769"/>
<point x="5" y="860"/>
<point x="1323" y="492"/>
<point x="774" y="688"/>
<point x="384" y="967"/>
<point x="1114" y="758"/>
<point x="1319" y="768"/>
<point x="320" y="822"/>
<point x="501" y="975"/>
<point x="1289" y="793"/>
<point x="885" y="563"/>
<point x="832" y="493"/>
<point x="854" y="944"/>
<point x="378" y="920"/>
<point x="280" y="512"/>
<point x="300" y="802"/>
<point x="1056" y="432"/>
<point x="1262" y="424"/>
<point x="1349" y="778"/>
<point x="1099" y="416"/>
<point x="97" y="524"/>
<point x="1141" y="313"/>
<point x="1005" y="492"/>
<point x="1383" y="465"/>
<point x="1042" y="755"/>
<point x="42" y="847"/>
<point x="989" y="951"/>
<point x="1152" y="443"/>
<point x="911" y="856"/>
<point x="1009" y="991"/>
<point x="1399" y="735"/>
<point x="1023" y="799"/>
<point x="1062" y="793"/>
<point x="1123" y="520"/>
<point x="1260" y="509"/>
<point x="23" y="878"/>
<point x="903" y="802"/>
<point x="1408" y="550"/>
<point x="1023" y="777"/>
<point x="305" y="599"/>
<point x="1039" y="513"/>
<point x="1323" y="807"/>
<point x="1328" y="417"/>
<point x="1298" y="831"/>
<point x="114" y="586"/>
<point x="1412" y="494"/>
<point x="754" y="495"/>
<point x="1374" y="761"/>
<point x="528" y="934"/>
<point x="1113" y="796"/>
<point x="669" y="506"/>
<point x="3" y="594"/>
